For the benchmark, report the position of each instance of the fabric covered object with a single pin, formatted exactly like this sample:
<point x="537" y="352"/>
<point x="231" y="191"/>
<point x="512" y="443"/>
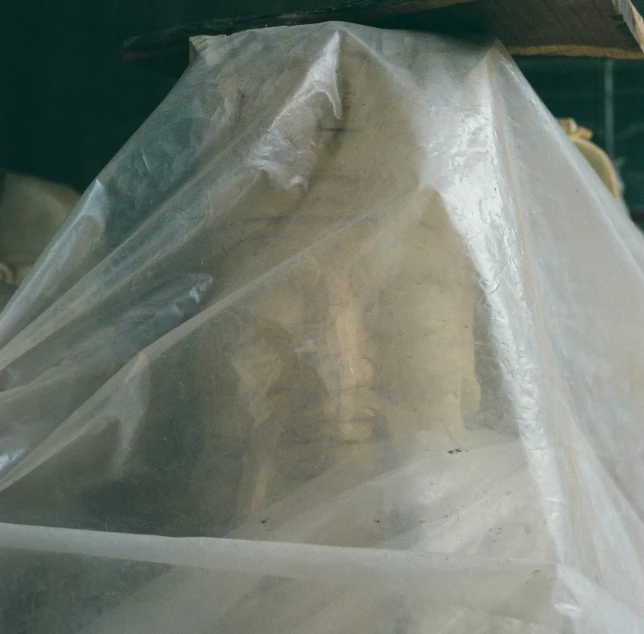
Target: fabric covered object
<point x="31" y="211"/>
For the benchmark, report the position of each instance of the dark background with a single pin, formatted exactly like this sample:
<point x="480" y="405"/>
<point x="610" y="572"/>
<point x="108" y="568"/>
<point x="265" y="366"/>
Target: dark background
<point x="69" y="102"/>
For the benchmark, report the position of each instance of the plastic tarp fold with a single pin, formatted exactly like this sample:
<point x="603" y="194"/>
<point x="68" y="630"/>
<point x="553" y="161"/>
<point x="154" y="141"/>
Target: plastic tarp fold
<point x="347" y="338"/>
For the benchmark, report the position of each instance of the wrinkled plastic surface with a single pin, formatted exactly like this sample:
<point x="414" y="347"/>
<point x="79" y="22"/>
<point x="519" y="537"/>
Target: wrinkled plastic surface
<point x="347" y="338"/>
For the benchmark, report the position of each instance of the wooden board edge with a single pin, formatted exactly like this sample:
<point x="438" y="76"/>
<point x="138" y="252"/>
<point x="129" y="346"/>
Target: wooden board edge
<point x="575" y="51"/>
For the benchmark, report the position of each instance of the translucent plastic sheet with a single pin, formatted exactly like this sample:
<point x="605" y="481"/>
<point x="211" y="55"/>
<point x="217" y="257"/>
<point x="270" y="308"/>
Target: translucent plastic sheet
<point x="347" y="338"/>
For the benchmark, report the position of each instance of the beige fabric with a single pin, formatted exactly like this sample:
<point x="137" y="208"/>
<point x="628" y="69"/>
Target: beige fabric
<point x="31" y="210"/>
<point x="597" y="158"/>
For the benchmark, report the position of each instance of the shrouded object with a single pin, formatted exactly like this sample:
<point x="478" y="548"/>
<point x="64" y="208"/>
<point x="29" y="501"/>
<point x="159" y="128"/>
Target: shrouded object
<point x="597" y="158"/>
<point x="347" y="339"/>
<point x="31" y="211"/>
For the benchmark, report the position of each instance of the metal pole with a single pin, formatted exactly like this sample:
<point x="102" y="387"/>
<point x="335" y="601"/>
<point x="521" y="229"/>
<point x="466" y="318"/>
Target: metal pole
<point x="609" y="108"/>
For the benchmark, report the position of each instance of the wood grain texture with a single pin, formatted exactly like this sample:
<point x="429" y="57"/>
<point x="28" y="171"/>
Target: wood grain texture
<point x="605" y="28"/>
<point x="599" y="28"/>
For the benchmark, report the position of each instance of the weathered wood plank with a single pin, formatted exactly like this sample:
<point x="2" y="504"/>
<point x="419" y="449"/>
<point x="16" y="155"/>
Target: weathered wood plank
<point x="606" y="28"/>
<point x="597" y="28"/>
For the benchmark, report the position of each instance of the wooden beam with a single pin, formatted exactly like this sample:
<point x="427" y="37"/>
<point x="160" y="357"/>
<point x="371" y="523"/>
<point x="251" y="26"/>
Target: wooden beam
<point x="594" y="28"/>
<point x="600" y="28"/>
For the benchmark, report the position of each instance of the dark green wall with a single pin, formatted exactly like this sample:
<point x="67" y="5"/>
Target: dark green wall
<point x="68" y="101"/>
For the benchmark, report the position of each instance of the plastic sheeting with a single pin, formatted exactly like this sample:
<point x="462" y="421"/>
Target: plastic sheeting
<point x="347" y="338"/>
